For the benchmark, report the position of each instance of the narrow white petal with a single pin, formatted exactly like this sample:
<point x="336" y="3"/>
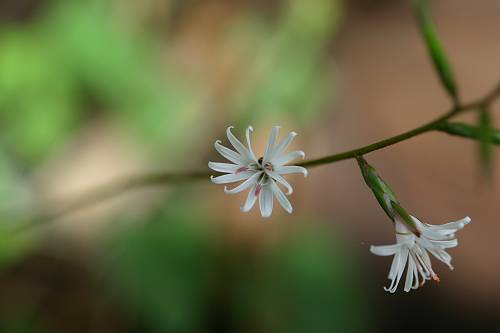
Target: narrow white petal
<point x="276" y="176"/>
<point x="393" y="272"/>
<point x="251" y="198"/>
<point x="409" y="275"/>
<point x="403" y="258"/>
<point x="450" y="227"/>
<point x="229" y="154"/>
<point x="284" y="159"/>
<point x="385" y="250"/>
<point x="280" y="148"/>
<point x="249" y="144"/>
<point x="270" y="144"/>
<point x="414" y="271"/>
<point x="281" y="198"/>
<point x="266" y="201"/>
<point x="443" y="256"/>
<point x="231" y="178"/>
<point x="223" y="167"/>
<point x="287" y="169"/>
<point x="240" y="147"/>
<point x="424" y="273"/>
<point x="243" y="186"/>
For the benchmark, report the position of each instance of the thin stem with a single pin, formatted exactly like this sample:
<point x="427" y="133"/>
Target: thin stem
<point x="161" y="178"/>
<point x="385" y="142"/>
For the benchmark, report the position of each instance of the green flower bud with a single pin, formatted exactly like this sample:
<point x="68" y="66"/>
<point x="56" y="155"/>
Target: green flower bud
<point x="384" y="195"/>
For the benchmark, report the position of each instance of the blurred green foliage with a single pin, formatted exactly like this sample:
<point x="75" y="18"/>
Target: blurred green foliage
<point x="307" y="282"/>
<point x="78" y="62"/>
<point x="163" y="270"/>
<point x="181" y="274"/>
<point x="285" y="76"/>
<point x="78" y="59"/>
<point x="21" y="324"/>
<point x="75" y="54"/>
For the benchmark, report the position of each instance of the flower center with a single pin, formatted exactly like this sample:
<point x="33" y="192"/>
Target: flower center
<point x="267" y="166"/>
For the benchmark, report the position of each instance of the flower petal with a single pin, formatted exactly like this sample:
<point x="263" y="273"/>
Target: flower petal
<point x="280" y="148"/>
<point x="400" y="267"/>
<point x="231" y="178"/>
<point x="284" y="159"/>
<point x="281" y="198"/>
<point x="276" y="176"/>
<point x="229" y="154"/>
<point x="409" y="275"/>
<point x="243" y="186"/>
<point x="223" y="167"/>
<point x="249" y="144"/>
<point x="266" y="201"/>
<point x="251" y="198"/>
<point x="443" y="256"/>
<point x="270" y="144"/>
<point x="240" y="147"/>
<point x="287" y="169"/>
<point x="385" y="250"/>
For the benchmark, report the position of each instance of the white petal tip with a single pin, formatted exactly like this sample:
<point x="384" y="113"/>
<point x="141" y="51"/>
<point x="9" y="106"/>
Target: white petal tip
<point x="250" y="128"/>
<point x="389" y="290"/>
<point x="266" y="216"/>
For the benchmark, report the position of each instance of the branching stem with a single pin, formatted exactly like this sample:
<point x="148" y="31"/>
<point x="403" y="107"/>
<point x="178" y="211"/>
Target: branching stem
<point x="163" y="178"/>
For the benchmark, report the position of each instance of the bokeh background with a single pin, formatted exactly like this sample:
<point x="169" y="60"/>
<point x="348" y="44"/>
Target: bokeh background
<point x="93" y="91"/>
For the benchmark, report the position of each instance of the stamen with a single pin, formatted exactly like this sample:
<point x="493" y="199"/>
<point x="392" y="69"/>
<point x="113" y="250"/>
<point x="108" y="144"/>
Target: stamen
<point x="435" y="277"/>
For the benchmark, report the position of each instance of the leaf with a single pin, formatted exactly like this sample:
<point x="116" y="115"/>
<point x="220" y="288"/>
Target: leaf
<point x="468" y="131"/>
<point x="435" y="48"/>
<point x="485" y="146"/>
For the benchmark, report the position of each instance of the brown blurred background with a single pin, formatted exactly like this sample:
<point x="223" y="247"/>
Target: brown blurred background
<point x="93" y="91"/>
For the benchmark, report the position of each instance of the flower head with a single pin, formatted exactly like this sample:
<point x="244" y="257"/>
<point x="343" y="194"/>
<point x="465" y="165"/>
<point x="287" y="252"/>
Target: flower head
<point x="414" y="251"/>
<point x="260" y="175"/>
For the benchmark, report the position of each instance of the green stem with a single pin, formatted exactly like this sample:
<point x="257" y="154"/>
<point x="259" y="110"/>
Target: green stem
<point x="433" y="125"/>
<point x="162" y="178"/>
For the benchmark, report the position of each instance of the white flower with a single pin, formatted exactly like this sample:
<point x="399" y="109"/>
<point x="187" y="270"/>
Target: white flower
<point x="260" y="175"/>
<point x="414" y="251"/>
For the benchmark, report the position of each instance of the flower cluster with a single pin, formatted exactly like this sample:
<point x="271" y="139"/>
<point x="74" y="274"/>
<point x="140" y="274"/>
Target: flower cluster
<point x="263" y="176"/>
